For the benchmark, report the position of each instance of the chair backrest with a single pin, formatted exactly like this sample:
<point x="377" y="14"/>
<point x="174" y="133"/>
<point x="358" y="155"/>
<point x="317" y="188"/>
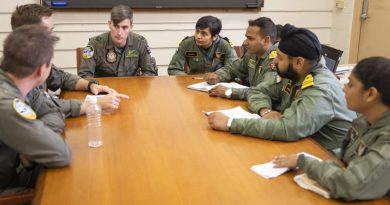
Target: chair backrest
<point x="79" y="56"/>
<point x="332" y="57"/>
<point x="239" y="51"/>
<point x="17" y="198"/>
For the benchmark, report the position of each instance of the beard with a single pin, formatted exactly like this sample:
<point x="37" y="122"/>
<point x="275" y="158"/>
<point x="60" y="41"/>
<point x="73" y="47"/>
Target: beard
<point x="289" y="74"/>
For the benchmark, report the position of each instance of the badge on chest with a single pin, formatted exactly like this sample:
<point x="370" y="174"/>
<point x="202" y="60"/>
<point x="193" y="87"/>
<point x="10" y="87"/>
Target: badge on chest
<point x="111" y="56"/>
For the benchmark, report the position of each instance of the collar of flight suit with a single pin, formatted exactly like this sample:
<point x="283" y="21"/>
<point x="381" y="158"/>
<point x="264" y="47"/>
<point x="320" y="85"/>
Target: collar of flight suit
<point x="110" y="44"/>
<point x="382" y="121"/>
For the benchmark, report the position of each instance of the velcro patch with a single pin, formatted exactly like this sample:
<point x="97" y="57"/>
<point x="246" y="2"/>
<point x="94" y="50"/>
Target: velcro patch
<point x="272" y="55"/>
<point x="308" y="82"/>
<point x="88" y="52"/>
<point x="252" y="63"/>
<point x="23" y="109"/>
<point x="219" y="55"/>
<point x="132" y="54"/>
<point x="192" y="54"/>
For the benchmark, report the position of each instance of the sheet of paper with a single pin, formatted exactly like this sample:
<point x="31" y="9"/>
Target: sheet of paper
<point x="268" y="171"/>
<point x="306" y="182"/>
<point x="205" y="87"/>
<point x="236" y="112"/>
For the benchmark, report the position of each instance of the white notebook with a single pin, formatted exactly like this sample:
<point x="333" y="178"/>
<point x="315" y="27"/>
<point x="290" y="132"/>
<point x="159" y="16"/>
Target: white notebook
<point x="205" y="87"/>
<point x="306" y="182"/>
<point x="236" y="112"/>
<point x="268" y="171"/>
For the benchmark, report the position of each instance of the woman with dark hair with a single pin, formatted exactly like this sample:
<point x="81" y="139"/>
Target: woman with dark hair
<point x="366" y="149"/>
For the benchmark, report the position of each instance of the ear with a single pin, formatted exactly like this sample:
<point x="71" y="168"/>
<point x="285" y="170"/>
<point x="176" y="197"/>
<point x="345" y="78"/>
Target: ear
<point x="40" y="71"/>
<point x="267" y="39"/>
<point x="299" y="63"/>
<point x="372" y="94"/>
<point x="214" y="37"/>
<point x="109" y="23"/>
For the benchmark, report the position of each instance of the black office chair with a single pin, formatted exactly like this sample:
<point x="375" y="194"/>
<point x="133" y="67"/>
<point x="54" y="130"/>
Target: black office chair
<point x="332" y="57"/>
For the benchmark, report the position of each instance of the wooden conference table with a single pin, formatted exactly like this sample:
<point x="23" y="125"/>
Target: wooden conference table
<point x="158" y="149"/>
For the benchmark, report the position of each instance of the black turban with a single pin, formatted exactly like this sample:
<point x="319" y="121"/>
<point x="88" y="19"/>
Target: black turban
<point x="299" y="42"/>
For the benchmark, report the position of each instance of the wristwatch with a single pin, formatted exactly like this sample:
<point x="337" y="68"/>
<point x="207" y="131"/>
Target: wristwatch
<point x="90" y="84"/>
<point x="228" y="93"/>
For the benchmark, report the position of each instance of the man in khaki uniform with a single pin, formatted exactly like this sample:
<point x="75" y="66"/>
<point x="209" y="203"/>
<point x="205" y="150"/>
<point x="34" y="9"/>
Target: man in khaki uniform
<point x="117" y="53"/>
<point x="256" y="65"/>
<point x="204" y="52"/>
<point x="26" y="142"/>
<point x="309" y="97"/>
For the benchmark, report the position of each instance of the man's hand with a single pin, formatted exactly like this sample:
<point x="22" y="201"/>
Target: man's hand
<point x="96" y="89"/>
<point x="211" y="78"/>
<point x="218" y="91"/>
<point x="218" y="121"/>
<point x="286" y="161"/>
<point x="111" y="101"/>
<point x="272" y="115"/>
<point x="269" y="114"/>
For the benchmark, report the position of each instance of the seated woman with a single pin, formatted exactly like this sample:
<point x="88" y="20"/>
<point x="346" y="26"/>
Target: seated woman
<point x="366" y="149"/>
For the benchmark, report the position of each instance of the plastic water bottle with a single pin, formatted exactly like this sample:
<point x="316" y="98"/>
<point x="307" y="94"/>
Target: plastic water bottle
<point x="94" y="123"/>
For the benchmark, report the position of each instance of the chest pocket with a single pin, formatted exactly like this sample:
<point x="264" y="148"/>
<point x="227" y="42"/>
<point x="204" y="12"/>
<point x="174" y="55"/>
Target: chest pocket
<point x="131" y="62"/>
<point x="195" y="62"/>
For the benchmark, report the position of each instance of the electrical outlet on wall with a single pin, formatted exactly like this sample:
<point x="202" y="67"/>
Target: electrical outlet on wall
<point x="340" y="4"/>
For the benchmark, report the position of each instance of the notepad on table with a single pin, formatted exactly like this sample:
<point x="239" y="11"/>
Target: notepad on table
<point x="268" y="171"/>
<point x="236" y="112"/>
<point x="306" y="182"/>
<point x="205" y="87"/>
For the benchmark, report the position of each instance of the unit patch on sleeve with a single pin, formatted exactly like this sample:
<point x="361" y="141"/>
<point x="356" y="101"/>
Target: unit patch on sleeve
<point x="23" y="109"/>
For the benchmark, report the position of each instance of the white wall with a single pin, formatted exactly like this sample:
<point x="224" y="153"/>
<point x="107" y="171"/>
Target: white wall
<point x="164" y="29"/>
<point x="340" y="36"/>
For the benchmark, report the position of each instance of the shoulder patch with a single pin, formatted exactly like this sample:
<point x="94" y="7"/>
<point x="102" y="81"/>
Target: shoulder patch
<point x="272" y="55"/>
<point x="23" y="109"/>
<point x="88" y="52"/>
<point x="308" y="82"/>
<point x="227" y="39"/>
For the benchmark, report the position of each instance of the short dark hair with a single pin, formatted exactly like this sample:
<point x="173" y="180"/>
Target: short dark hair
<point x="211" y="22"/>
<point x="29" y="14"/>
<point x="27" y="48"/>
<point x="279" y="28"/>
<point x="121" y="12"/>
<point x="375" y="72"/>
<point x="267" y="27"/>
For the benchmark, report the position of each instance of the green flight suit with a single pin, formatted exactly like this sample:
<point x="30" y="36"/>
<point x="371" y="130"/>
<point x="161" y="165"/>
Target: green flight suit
<point x="59" y="79"/>
<point x="250" y="67"/>
<point x="24" y="132"/>
<point x="200" y="60"/>
<point x="315" y="107"/>
<point x="366" y="154"/>
<point x="102" y="59"/>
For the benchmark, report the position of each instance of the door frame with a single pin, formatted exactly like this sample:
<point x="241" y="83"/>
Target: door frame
<point x="356" y="29"/>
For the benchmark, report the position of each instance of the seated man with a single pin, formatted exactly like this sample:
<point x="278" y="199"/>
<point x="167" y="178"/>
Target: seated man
<point x="255" y="66"/>
<point x="26" y="143"/>
<point x="58" y="79"/>
<point x="309" y="97"/>
<point x="37" y="14"/>
<point x="117" y="53"/>
<point x="204" y="52"/>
